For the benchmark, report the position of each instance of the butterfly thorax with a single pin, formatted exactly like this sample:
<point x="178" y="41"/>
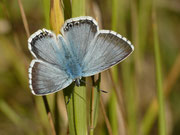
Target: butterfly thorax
<point x="73" y="70"/>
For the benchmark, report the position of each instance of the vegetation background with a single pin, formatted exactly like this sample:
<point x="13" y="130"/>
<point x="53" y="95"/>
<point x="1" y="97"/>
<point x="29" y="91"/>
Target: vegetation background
<point x="143" y="91"/>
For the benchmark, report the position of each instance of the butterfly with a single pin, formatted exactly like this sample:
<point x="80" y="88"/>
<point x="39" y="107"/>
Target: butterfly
<point x="81" y="51"/>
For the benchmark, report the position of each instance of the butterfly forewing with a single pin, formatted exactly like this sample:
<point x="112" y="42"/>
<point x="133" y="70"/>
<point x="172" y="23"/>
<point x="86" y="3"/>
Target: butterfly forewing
<point x="79" y="33"/>
<point x="45" y="46"/>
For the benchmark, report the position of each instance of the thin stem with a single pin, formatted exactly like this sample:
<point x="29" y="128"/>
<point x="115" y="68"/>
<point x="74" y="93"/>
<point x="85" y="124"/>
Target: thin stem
<point x="23" y="15"/>
<point x="56" y="113"/>
<point x="49" y="115"/>
<point x="94" y="105"/>
<point x="91" y="112"/>
<point x="105" y="117"/>
<point x="119" y="96"/>
<point x="162" y="125"/>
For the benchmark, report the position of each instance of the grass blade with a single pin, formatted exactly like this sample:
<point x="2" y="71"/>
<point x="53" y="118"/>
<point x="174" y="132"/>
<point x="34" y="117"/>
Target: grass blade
<point x="152" y="111"/>
<point x="112" y="112"/>
<point x="106" y="118"/>
<point x="115" y="81"/>
<point x="78" y="8"/>
<point x="67" y="9"/>
<point x="130" y="98"/>
<point x="76" y="108"/>
<point x="23" y="15"/>
<point x="10" y="113"/>
<point x="162" y="126"/>
<point x="46" y="5"/>
<point x="128" y="75"/>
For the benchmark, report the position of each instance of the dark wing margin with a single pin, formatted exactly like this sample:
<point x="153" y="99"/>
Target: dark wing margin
<point x="107" y="49"/>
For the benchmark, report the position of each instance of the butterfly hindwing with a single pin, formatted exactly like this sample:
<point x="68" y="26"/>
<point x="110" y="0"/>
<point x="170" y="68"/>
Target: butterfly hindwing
<point x="45" y="78"/>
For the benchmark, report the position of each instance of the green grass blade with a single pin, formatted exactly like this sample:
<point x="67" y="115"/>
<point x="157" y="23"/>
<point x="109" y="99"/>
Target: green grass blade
<point x="14" y="117"/>
<point x="114" y="14"/>
<point x="112" y="110"/>
<point x="143" y="22"/>
<point x="67" y="9"/>
<point x="127" y="75"/>
<point x="151" y="114"/>
<point x="76" y="108"/>
<point x="162" y="124"/>
<point x="10" y="113"/>
<point x="115" y="96"/>
<point x="149" y="119"/>
<point x="78" y="8"/>
<point x="46" y="5"/>
<point x="130" y="98"/>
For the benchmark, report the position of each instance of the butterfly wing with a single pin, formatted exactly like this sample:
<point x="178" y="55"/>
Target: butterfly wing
<point x="79" y="33"/>
<point x="45" y="78"/>
<point x="107" y="49"/>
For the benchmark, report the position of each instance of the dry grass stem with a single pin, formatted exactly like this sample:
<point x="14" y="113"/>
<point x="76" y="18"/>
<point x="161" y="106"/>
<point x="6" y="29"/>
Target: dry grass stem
<point x="23" y="15"/>
<point x="105" y="117"/>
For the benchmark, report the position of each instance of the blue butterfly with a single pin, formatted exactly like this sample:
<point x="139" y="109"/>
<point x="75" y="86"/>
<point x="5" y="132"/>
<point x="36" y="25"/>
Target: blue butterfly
<point x="82" y="50"/>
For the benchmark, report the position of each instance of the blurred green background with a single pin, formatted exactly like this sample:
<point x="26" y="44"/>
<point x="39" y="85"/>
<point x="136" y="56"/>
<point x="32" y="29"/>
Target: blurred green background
<point x="22" y="113"/>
